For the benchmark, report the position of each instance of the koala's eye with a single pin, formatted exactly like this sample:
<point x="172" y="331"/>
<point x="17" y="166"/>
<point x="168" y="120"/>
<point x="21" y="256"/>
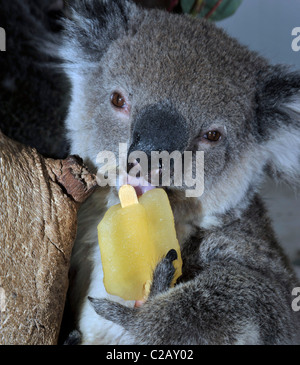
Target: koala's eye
<point x="117" y="100"/>
<point x="213" y="136"/>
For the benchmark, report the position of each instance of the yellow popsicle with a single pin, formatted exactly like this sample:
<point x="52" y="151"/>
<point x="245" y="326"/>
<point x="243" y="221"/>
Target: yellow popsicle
<point x="133" y="238"/>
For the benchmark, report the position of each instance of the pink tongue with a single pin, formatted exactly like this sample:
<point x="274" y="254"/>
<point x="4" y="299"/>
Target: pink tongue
<point x="140" y="190"/>
<point x="140" y="185"/>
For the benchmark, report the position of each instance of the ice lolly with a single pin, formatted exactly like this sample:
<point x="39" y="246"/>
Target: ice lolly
<point x="133" y="237"/>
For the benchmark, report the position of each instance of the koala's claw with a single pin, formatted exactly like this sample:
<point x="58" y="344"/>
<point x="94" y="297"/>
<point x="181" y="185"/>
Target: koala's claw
<point x="172" y="255"/>
<point x="163" y="274"/>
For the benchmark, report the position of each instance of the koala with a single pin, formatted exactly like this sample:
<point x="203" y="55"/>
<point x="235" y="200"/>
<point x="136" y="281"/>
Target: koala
<point x="160" y="81"/>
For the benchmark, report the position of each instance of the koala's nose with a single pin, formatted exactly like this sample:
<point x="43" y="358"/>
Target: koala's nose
<point x="159" y="128"/>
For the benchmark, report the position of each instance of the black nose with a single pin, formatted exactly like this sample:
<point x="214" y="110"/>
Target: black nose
<point x="159" y="127"/>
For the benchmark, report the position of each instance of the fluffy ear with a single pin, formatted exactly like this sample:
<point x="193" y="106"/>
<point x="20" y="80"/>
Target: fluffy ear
<point x="90" y="28"/>
<point x="278" y="121"/>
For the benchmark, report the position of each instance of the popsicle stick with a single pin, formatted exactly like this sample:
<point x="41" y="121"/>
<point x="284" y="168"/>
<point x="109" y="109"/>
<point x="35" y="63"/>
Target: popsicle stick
<point x="127" y="196"/>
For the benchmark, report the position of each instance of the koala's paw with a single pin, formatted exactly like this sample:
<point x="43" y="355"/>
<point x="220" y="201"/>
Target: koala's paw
<point x="163" y="274"/>
<point x="125" y="316"/>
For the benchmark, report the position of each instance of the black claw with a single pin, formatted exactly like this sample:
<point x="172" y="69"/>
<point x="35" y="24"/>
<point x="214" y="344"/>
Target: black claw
<point x="163" y="274"/>
<point x="172" y="255"/>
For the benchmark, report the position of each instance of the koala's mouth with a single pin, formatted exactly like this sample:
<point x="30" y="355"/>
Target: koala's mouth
<point x="141" y="180"/>
<point x="140" y="184"/>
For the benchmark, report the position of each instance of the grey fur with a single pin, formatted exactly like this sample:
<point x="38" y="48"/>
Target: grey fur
<point x="236" y="283"/>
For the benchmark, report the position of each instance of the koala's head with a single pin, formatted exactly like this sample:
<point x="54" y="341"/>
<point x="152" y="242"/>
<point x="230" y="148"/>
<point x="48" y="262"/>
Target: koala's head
<point x="163" y="82"/>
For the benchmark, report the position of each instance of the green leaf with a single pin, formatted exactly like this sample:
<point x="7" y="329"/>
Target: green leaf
<point x="187" y="5"/>
<point x="224" y="10"/>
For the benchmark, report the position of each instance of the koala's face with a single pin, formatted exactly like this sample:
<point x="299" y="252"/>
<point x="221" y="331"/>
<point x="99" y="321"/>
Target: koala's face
<point x="162" y="82"/>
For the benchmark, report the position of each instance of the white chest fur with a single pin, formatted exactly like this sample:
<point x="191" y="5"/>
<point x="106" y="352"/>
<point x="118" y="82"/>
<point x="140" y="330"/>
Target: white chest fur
<point x="88" y="279"/>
